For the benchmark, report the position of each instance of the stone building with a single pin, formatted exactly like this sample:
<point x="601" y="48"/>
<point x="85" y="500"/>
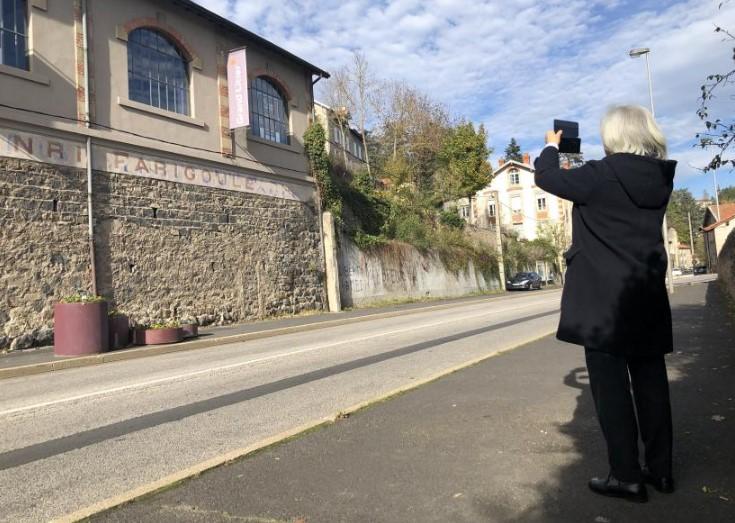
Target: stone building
<point x="344" y="144"/>
<point x="183" y="218"/>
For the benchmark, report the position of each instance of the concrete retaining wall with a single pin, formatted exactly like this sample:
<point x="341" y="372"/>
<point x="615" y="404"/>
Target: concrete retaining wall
<point x="398" y="271"/>
<point x="726" y="266"/>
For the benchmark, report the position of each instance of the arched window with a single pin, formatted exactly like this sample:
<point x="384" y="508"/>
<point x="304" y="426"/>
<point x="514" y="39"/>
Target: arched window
<point x="268" y="113"/>
<point x="14" y="33"/>
<point x="157" y="71"/>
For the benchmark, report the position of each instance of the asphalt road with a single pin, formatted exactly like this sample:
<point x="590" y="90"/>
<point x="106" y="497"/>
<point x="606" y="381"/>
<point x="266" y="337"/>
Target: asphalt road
<point x="511" y="439"/>
<point x="72" y="438"/>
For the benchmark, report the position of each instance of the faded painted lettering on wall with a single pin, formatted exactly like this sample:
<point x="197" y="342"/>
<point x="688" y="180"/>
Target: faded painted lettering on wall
<point x="48" y="149"/>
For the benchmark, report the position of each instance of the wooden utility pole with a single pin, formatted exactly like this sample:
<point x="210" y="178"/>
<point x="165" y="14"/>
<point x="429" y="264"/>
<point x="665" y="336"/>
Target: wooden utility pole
<point x="499" y="240"/>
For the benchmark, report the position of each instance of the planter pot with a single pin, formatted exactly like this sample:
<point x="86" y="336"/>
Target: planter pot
<point x="80" y="328"/>
<point x="191" y="330"/>
<point x="158" y="336"/>
<point x="119" y="332"/>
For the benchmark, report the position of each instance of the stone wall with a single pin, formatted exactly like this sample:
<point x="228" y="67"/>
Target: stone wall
<point x="726" y="266"/>
<point x="399" y="271"/>
<point x="164" y="250"/>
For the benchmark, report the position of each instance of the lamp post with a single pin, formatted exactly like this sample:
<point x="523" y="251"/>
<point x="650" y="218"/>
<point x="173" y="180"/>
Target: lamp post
<point x="636" y="53"/>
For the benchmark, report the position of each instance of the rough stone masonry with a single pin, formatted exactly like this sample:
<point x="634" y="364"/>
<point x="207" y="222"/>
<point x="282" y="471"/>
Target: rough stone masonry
<point x="163" y="250"/>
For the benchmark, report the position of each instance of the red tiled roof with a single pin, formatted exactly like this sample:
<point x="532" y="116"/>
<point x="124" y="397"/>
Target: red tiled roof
<point x="727" y="213"/>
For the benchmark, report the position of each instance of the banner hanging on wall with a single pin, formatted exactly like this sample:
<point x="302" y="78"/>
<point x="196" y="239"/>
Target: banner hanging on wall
<point x="237" y="86"/>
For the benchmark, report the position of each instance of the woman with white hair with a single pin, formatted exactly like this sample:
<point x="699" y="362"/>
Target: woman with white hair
<point x="615" y="302"/>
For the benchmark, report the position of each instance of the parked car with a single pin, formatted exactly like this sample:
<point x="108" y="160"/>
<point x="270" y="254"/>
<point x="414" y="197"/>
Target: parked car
<point x="700" y="269"/>
<point x="676" y="272"/>
<point x="524" y="280"/>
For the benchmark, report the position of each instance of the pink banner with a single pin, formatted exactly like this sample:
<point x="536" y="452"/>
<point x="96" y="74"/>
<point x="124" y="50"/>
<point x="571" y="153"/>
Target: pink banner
<point x="237" y="83"/>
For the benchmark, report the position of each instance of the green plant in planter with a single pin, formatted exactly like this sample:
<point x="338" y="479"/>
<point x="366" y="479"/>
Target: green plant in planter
<point x="173" y="324"/>
<point x="82" y="298"/>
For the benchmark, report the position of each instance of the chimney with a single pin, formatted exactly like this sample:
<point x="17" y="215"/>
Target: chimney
<point x="526" y="159"/>
<point x="501" y="162"/>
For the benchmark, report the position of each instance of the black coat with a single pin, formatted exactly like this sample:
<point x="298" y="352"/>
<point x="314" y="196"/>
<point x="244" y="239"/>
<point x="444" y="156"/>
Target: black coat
<point x="615" y="297"/>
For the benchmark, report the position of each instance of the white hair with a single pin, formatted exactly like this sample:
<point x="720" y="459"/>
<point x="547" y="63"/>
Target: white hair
<point x="632" y="129"/>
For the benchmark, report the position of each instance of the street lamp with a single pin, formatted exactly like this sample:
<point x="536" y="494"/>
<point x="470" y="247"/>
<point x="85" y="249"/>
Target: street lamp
<point x="637" y="53"/>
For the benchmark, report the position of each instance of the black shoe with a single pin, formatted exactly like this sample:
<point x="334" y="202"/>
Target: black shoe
<point x="663" y="484"/>
<point x="619" y="489"/>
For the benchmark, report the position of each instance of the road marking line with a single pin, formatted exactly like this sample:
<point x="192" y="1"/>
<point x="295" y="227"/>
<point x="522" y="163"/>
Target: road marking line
<point x="271" y="357"/>
<point x="198" y="344"/>
<point x="228" y="457"/>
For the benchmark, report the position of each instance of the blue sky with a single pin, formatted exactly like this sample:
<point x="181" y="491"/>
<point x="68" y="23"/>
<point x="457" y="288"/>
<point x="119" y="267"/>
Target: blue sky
<point x="515" y="65"/>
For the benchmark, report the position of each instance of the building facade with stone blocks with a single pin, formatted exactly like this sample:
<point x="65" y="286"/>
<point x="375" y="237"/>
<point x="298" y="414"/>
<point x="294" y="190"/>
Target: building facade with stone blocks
<point x="191" y="221"/>
<point x="513" y="196"/>
<point x="344" y="144"/>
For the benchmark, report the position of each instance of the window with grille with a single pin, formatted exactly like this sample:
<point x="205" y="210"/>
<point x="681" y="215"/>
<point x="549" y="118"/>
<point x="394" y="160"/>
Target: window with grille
<point x="541" y="203"/>
<point x="515" y="177"/>
<point x="14" y="33"/>
<point x="157" y="71"/>
<point x="268" y="113"/>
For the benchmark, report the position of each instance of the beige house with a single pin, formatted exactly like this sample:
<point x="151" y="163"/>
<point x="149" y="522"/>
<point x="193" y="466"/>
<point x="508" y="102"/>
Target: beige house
<point x="680" y="252"/>
<point x="119" y="173"/>
<point x="521" y="206"/>
<point x="719" y="222"/>
<point x="344" y="144"/>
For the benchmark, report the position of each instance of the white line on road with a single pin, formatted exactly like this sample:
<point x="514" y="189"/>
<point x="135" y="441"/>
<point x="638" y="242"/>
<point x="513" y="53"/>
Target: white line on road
<point x="213" y="370"/>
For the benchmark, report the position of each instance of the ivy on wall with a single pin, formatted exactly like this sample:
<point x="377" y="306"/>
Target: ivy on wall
<point x="314" y="144"/>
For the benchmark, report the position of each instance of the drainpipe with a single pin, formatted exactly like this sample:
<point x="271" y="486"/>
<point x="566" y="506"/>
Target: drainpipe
<point x="87" y="114"/>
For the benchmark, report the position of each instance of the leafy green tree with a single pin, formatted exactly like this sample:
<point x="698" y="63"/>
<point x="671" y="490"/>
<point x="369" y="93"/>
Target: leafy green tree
<point x="682" y="205"/>
<point x="727" y="194"/>
<point x="513" y="151"/>
<point x="464" y="160"/>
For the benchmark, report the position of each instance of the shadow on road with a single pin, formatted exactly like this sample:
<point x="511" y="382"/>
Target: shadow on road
<point x="701" y="371"/>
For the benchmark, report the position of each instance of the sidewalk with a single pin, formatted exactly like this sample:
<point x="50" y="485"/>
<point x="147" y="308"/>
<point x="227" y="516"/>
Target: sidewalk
<point x="512" y="439"/>
<point x="36" y="361"/>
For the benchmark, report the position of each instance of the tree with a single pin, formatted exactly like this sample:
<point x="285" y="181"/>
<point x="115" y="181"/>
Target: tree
<point x="682" y="205"/>
<point x="727" y="194"/>
<point x="555" y="236"/>
<point x="720" y="132"/>
<point x="351" y="91"/>
<point x="464" y="157"/>
<point x="336" y="92"/>
<point x="410" y="130"/>
<point x="513" y="151"/>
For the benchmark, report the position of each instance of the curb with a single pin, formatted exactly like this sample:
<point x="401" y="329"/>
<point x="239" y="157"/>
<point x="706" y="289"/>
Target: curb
<point x="195" y="470"/>
<point x="155" y="350"/>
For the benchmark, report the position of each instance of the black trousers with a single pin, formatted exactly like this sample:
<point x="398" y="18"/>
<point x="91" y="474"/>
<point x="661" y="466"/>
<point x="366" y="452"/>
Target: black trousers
<point x="611" y="379"/>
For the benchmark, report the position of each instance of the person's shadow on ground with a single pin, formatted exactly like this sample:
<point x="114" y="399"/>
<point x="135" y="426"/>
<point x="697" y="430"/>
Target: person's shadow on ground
<point x="702" y="376"/>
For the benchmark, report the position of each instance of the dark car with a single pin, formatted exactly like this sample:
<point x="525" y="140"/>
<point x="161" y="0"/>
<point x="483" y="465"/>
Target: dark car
<point x="700" y="269"/>
<point x="524" y="280"/>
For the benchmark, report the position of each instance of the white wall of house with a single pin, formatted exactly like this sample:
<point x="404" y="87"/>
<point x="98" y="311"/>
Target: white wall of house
<point x="523" y="206"/>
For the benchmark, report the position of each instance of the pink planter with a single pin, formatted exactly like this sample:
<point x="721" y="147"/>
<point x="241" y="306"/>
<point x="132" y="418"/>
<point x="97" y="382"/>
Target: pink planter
<point x="119" y="332"/>
<point x="80" y="328"/>
<point x="158" y="336"/>
<point x="191" y="330"/>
